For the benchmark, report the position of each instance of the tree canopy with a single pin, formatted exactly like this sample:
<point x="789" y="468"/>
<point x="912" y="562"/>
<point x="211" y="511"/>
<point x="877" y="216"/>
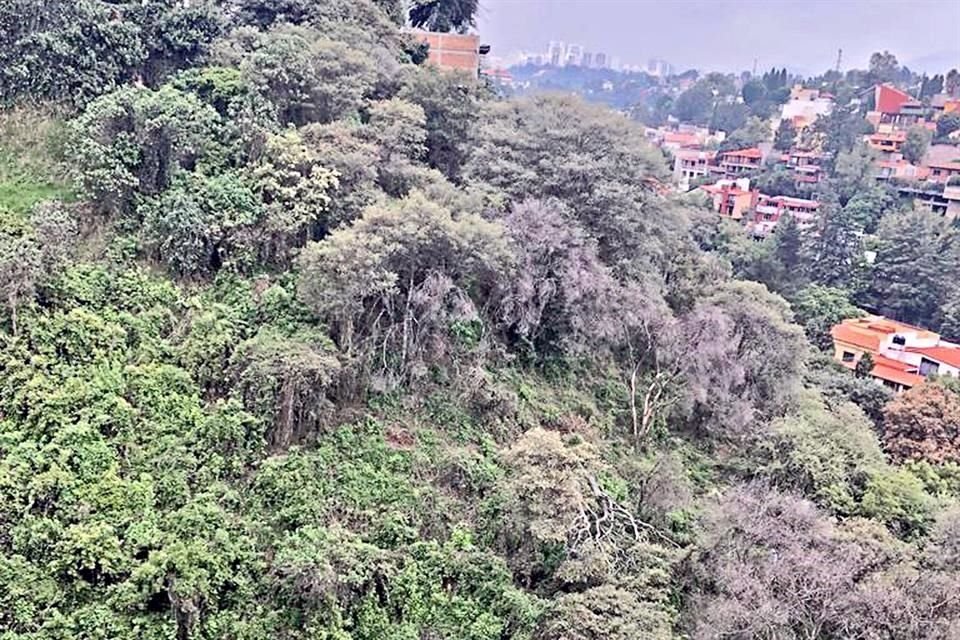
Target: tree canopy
<point x="302" y="339"/>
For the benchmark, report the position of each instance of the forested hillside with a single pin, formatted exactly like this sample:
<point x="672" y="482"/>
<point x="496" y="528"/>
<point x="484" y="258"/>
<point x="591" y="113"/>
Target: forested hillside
<point x="304" y="339"/>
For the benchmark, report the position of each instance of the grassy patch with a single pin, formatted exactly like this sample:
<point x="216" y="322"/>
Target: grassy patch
<point x="31" y="169"/>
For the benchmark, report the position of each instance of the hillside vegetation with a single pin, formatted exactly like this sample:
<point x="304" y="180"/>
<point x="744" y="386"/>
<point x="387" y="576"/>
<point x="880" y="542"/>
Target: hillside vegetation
<point x="300" y="338"/>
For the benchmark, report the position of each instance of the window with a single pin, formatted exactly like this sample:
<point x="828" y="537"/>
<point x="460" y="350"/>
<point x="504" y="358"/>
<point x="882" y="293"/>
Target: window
<point x="928" y="366"/>
<point x="848" y="357"/>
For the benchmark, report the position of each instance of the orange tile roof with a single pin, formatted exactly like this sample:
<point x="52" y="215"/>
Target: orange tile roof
<point x="868" y="332"/>
<point x="952" y="166"/>
<point x="682" y="138"/>
<point x="753" y="152"/>
<point x="896" y="375"/>
<point x="946" y="355"/>
<point x="855" y="336"/>
<point x="890" y="363"/>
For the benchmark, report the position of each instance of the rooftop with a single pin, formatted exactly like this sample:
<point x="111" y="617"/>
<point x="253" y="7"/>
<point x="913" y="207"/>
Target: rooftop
<point x="752" y="152"/>
<point x="949" y="355"/>
<point x="894" y="136"/>
<point x="868" y="332"/>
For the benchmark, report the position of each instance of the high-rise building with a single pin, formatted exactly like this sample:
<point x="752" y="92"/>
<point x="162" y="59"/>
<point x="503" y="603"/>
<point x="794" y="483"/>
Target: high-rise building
<point x="659" y="68"/>
<point x="600" y="60"/>
<point x="587" y="59"/>
<point x="574" y="55"/>
<point x="555" y="53"/>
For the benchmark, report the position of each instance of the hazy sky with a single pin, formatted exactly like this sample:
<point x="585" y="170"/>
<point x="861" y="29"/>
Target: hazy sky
<point x="729" y="34"/>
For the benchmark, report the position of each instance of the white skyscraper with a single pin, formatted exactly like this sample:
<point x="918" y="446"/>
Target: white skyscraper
<point x="556" y="53"/>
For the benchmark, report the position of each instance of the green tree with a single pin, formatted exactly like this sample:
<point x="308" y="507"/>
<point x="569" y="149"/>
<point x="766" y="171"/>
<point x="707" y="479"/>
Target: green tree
<point x="753" y="92"/>
<point x="388" y="282"/>
<point x="451" y="103"/>
<point x="306" y="76"/>
<point x="832" y="245"/>
<point x="785" y="137"/>
<point x="908" y="279"/>
<point x="947" y="124"/>
<point x="916" y="144"/>
<point x="951" y="83"/>
<point x="923" y="423"/>
<point x="818" y="309"/>
<point x="752" y="132"/>
<point x="864" y="366"/>
<point x="788" y="249"/>
<point x="884" y="67"/>
<point x="133" y="142"/>
<point x="694" y="105"/>
<point x="444" y="15"/>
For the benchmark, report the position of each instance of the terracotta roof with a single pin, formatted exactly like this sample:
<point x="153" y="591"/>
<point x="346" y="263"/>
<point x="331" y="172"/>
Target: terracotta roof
<point x="953" y="166"/>
<point x="946" y="355"/>
<point x="895" y="136"/>
<point x="870" y="331"/>
<point x="753" y="152"/>
<point x="855" y="336"/>
<point x="894" y="374"/>
<point x="682" y="138"/>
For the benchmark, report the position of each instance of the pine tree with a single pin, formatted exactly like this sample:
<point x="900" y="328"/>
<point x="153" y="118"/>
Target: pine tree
<point x="908" y="282"/>
<point x="832" y="245"/>
<point x="786" y="136"/>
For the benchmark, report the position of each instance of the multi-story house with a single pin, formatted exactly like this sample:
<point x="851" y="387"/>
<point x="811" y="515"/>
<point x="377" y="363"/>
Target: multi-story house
<point x="888" y="142"/>
<point x="740" y="161"/>
<point x="943" y="171"/>
<point x="732" y="199"/>
<point x="903" y="355"/>
<point x="770" y="209"/>
<point x="691" y="164"/>
<point x="806" y="166"/>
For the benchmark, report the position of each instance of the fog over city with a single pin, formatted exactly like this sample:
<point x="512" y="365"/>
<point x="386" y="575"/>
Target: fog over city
<point x="729" y="35"/>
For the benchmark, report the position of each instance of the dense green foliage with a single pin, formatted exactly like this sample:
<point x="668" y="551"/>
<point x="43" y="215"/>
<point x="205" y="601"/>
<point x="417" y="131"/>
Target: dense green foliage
<point x="324" y="344"/>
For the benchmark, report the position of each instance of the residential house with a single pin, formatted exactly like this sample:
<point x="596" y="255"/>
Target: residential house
<point x="943" y="171"/>
<point x="806" y="166"/>
<point x="453" y="51"/>
<point x="887" y="101"/>
<point x="903" y="355"/>
<point x="690" y="164"/>
<point x="740" y="161"/>
<point x="732" y="199"/>
<point x="769" y="209"/>
<point x="890" y="142"/>
<point x="900" y="169"/>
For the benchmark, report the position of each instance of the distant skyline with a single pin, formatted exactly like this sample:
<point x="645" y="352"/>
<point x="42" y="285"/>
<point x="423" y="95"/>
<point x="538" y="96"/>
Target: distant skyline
<point x="726" y="35"/>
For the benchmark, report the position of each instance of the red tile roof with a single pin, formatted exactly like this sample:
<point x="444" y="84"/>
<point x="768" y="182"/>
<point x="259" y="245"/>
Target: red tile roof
<point x="753" y="152"/>
<point x="894" y="374"/>
<point x="856" y="337"/>
<point x="870" y="331"/>
<point x="947" y="355"/>
<point x="952" y="166"/>
<point x="680" y="138"/>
